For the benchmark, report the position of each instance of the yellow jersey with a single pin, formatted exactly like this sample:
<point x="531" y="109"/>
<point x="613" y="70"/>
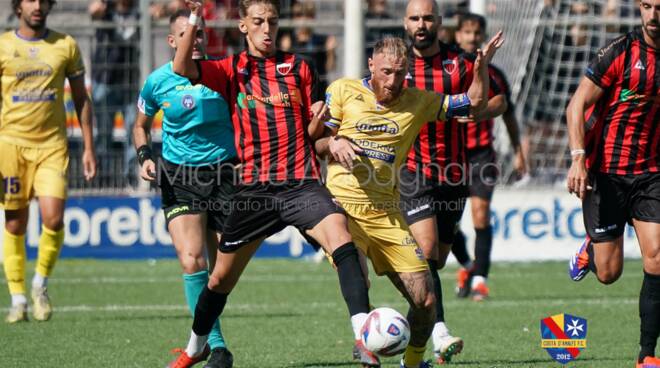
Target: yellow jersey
<point x="385" y="134"/>
<point x="32" y="76"/>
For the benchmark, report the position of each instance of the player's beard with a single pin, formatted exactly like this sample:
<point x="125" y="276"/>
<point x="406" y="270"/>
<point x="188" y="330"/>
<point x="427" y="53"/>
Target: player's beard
<point x="36" y="25"/>
<point x="431" y="38"/>
<point x="652" y="33"/>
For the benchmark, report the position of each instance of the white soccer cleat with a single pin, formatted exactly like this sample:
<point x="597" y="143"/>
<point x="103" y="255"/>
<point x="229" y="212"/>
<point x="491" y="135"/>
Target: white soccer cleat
<point x="41" y="308"/>
<point x="445" y="347"/>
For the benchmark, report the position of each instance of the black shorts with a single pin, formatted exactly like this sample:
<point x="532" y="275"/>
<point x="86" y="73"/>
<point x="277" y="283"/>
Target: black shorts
<point x="483" y="172"/>
<point x="617" y="199"/>
<point x="261" y="210"/>
<point x="422" y="198"/>
<point x="192" y="190"/>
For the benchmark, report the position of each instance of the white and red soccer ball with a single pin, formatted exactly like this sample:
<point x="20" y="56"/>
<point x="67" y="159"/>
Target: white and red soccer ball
<point x="385" y="332"/>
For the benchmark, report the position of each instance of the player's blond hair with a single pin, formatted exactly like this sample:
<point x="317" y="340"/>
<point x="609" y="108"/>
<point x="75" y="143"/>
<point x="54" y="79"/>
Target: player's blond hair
<point x="393" y="46"/>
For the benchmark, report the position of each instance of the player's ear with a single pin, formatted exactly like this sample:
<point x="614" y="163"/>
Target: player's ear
<point x="371" y="65"/>
<point x="242" y="26"/>
<point x="171" y="41"/>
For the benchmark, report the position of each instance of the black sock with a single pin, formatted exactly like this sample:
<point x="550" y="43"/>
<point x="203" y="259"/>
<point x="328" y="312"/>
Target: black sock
<point x="351" y="279"/>
<point x="209" y="307"/>
<point x="482" y="246"/>
<point x="437" y="289"/>
<point x="649" y="313"/>
<point x="459" y="249"/>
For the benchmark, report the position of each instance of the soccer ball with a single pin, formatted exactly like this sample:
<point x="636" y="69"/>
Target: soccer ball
<point x="385" y="332"/>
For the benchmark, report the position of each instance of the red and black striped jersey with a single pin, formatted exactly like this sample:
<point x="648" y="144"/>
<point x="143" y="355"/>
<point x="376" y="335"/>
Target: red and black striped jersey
<point x="623" y="133"/>
<point x="270" y="100"/>
<point x="480" y="134"/>
<point x="439" y="150"/>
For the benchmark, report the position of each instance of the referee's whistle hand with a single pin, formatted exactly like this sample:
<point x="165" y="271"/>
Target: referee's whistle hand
<point x="148" y="170"/>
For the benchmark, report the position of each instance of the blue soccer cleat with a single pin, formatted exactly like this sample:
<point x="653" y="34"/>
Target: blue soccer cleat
<point x="578" y="266"/>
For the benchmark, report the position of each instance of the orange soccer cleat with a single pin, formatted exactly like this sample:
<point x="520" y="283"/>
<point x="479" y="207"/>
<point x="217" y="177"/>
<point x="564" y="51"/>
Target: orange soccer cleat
<point x="185" y="361"/>
<point x="649" y="362"/>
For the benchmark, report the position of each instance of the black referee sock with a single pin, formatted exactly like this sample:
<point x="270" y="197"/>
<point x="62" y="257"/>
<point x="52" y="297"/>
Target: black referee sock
<point x="351" y="279"/>
<point x="482" y="247"/>
<point x="437" y="289"/>
<point x="209" y="307"/>
<point x="459" y="249"/>
<point x="649" y="313"/>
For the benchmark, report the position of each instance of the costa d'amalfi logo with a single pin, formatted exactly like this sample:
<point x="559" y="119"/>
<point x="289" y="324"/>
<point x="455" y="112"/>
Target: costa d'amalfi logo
<point x="371" y="125"/>
<point x="188" y="102"/>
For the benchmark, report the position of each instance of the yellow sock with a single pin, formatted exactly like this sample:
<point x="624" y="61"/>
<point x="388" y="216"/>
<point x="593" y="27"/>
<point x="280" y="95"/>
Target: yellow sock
<point x="413" y="356"/>
<point x="50" y="244"/>
<point x="14" y="262"/>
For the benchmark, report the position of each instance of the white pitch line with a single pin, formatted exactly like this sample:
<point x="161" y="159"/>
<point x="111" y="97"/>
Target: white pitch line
<point x="333" y="305"/>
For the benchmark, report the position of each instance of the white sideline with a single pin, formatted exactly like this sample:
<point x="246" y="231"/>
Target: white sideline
<point x="333" y="305"/>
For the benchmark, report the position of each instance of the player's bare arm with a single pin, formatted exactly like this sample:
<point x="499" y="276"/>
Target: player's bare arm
<point x="315" y="128"/>
<point x="83" y="106"/>
<point x="478" y="91"/>
<point x="142" y="138"/>
<point x="585" y="96"/>
<point x="340" y="148"/>
<point x="183" y="63"/>
<point x="512" y="128"/>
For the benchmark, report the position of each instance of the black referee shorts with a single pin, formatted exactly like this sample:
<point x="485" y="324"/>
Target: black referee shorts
<point x="193" y="190"/>
<point x="261" y="210"/>
<point x="617" y="199"/>
<point x="422" y="198"/>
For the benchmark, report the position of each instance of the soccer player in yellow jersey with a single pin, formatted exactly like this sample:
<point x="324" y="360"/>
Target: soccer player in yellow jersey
<point x="34" y="61"/>
<point x="373" y="123"/>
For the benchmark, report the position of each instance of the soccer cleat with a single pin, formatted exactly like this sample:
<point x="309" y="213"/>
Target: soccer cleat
<point x="41" y="308"/>
<point x="446" y="347"/>
<point x="17" y="313"/>
<point x="366" y="358"/>
<point x="184" y="361"/>
<point x="649" y="362"/>
<point x="480" y="292"/>
<point x="220" y="358"/>
<point x="578" y="266"/>
<point x="424" y="364"/>
<point x="463" y="277"/>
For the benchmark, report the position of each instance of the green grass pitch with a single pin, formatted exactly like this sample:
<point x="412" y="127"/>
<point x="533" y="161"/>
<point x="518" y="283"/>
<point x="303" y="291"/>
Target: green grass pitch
<point x="287" y="313"/>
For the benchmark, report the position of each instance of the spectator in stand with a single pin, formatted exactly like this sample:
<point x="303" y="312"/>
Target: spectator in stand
<point x="116" y="75"/>
<point x="377" y="9"/>
<point x="319" y="49"/>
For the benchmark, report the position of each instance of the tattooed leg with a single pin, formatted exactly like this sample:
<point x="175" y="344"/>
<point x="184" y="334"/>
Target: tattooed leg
<point x="417" y="288"/>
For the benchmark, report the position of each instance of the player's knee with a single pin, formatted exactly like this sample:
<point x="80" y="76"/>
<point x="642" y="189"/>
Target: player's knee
<point x="54" y="221"/>
<point x="608" y="276"/>
<point x="221" y="284"/>
<point x="652" y="263"/>
<point x="16" y="227"/>
<point x="192" y="263"/>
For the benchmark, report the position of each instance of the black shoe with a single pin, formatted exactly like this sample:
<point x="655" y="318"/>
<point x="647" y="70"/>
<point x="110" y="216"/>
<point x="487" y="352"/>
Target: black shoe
<point x="220" y="358"/>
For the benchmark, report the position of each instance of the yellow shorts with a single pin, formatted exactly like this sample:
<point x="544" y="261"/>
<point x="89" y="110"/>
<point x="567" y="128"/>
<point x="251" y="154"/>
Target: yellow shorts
<point x="28" y="172"/>
<point x="384" y="236"/>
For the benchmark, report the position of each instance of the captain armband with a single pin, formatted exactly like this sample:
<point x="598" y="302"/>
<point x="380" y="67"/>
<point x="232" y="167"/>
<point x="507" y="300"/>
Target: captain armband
<point x="458" y="105"/>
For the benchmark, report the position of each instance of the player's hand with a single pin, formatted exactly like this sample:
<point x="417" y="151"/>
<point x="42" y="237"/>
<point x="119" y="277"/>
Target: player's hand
<point x="343" y="151"/>
<point x="195" y="7"/>
<point x="519" y="163"/>
<point x="578" y="180"/>
<point x="320" y="114"/>
<point x="89" y="164"/>
<point x="485" y="55"/>
<point x="148" y="170"/>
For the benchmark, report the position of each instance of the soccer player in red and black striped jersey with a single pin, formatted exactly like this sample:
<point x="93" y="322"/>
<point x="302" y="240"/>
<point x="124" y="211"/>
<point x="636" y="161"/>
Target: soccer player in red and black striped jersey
<point x="433" y="188"/>
<point x="483" y="171"/>
<point x="270" y="94"/>
<point x="614" y="136"/>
